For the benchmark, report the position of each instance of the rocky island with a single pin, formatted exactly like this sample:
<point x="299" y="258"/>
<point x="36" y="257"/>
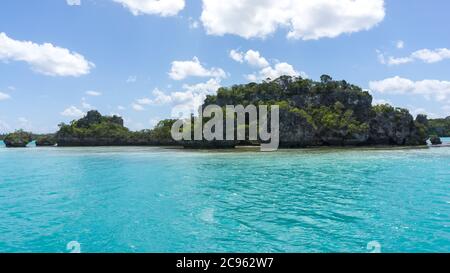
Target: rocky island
<point x="312" y="114"/>
<point x="327" y="113"/>
<point x="440" y="127"/>
<point x="97" y="130"/>
<point x="18" y="139"/>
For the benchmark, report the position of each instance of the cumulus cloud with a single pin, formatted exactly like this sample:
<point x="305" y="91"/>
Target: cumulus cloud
<point x="144" y="101"/>
<point x="252" y="57"/>
<point x="73" y="112"/>
<point x="424" y="55"/>
<point x="183" y="69"/>
<point x="93" y="93"/>
<point x="436" y="89"/>
<point x="237" y="56"/>
<point x="44" y="58"/>
<point x="4" y="96"/>
<point x="432" y="56"/>
<point x="159" y="7"/>
<point x="73" y="2"/>
<point x="137" y="107"/>
<point x="304" y="19"/>
<point x="255" y="59"/>
<point x="188" y="100"/>
<point x="280" y="69"/>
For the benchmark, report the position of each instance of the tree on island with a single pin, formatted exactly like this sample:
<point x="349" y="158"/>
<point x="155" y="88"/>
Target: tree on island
<point x="18" y="139"/>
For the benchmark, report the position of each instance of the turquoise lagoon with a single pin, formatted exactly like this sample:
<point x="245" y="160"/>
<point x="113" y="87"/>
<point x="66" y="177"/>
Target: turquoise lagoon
<point x="166" y="200"/>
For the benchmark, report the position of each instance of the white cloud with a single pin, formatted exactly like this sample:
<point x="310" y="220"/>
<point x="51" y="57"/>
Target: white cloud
<point x="85" y="104"/>
<point x="392" y="60"/>
<point x="432" y="56"/>
<point x="254" y="58"/>
<point x="159" y="7"/>
<point x="183" y="69"/>
<point x="93" y="93"/>
<point x="398" y="61"/>
<point x="131" y="79"/>
<point x="144" y="101"/>
<point x="4" y="96"/>
<point x="137" y="107"/>
<point x="160" y="97"/>
<point x="209" y="87"/>
<point x="400" y="44"/>
<point x="73" y="111"/>
<point x="189" y="100"/>
<point x="280" y="69"/>
<point x="305" y="19"/>
<point x="73" y="2"/>
<point x="237" y="56"/>
<point x="425" y="55"/>
<point x="439" y="90"/>
<point x="45" y="58"/>
<point x="120" y="108"/>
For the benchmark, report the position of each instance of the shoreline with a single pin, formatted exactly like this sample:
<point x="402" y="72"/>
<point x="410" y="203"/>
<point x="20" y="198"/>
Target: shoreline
<point x="249" y="148"/>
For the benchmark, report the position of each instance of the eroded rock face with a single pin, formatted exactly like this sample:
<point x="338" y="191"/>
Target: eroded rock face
<point x="435" y="140"/>
<point x="46" y="141"/>
<point x="296" y="131"/>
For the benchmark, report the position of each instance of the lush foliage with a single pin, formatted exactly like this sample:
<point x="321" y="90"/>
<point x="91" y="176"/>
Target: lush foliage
<point x="94" y="125"/>
<point x="440" y="127"/>
<point x="19" y="138"/>
<point x="95" y="129"/>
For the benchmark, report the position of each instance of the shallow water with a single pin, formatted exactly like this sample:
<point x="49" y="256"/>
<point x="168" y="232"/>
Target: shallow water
<point x="162" y="200"/>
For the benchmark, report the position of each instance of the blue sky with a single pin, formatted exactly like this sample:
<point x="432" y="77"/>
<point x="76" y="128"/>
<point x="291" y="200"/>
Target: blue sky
<point x="147" y="61"/>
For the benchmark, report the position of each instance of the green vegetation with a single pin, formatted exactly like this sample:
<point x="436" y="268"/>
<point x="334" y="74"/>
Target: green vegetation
<point x="440" y="127"/>
<point x="94" y="125"/>
<point x="45" y="140"/>
<point x="97" y="130"/>
<point x="17" y="139"/>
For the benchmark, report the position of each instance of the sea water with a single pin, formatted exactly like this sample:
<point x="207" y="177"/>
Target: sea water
<point x="167" y="200"/>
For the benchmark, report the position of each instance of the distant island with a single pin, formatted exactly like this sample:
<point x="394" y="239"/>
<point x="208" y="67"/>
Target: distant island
<point x="312" y="114"/>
